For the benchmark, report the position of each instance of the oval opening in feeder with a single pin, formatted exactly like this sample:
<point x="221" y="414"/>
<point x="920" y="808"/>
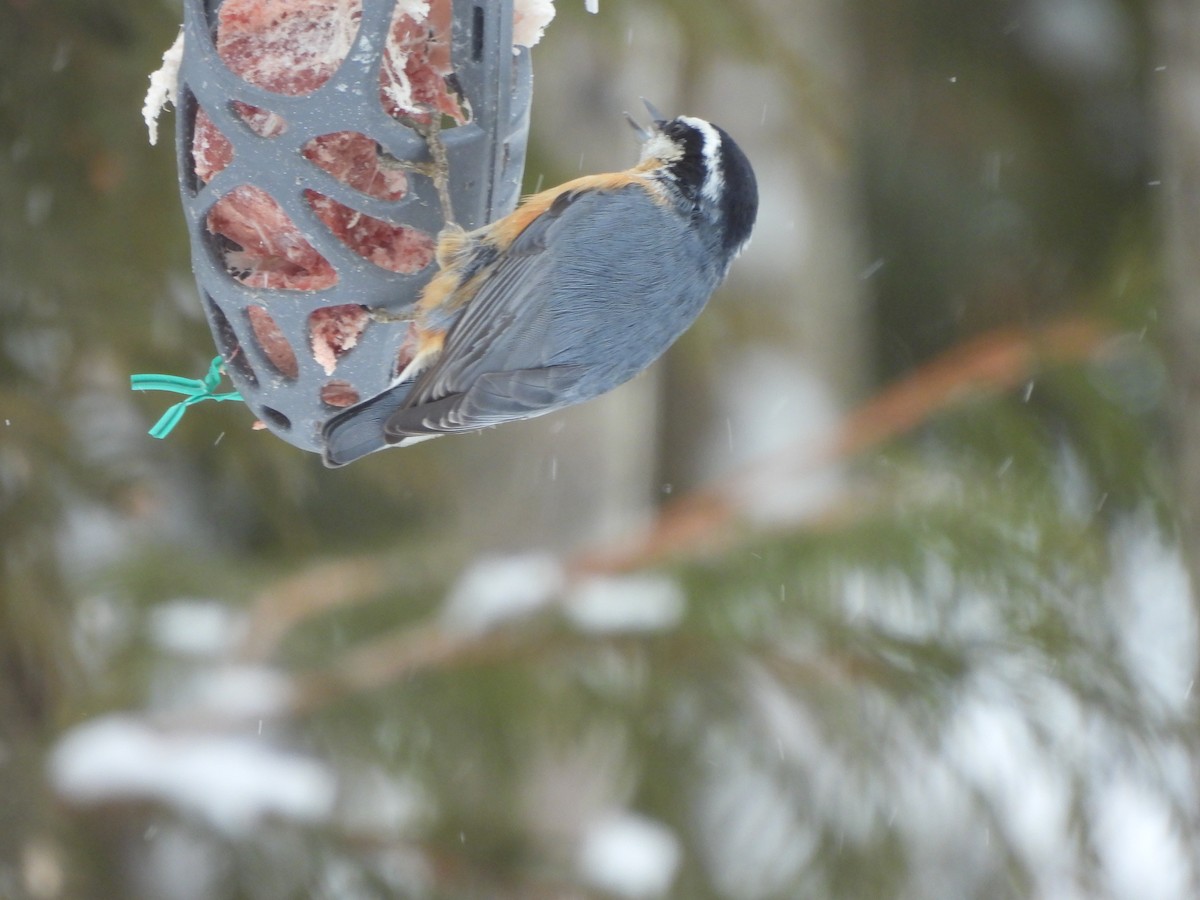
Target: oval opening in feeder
<point x="356" y="161"/>
<point x="477" y="21"/>
<point x="185" y="150"/>
<point x="397" y="248"/>
<point x="271" y="341"/>
<point x="334" y="331"/>
<point x="339" y="394"/>
<point x="289" y="47"/>
<point x="262" y="247"/>
<point x="416" y="79"/>
<point x="274" y="418"/>
<point x="228" y="344"/>
<point x="211" y="150"/>
<point x="263" y="122"/>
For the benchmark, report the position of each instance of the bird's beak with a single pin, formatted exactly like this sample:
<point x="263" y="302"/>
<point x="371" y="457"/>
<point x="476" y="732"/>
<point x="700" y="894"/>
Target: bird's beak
<point x="642" y="133"/>
<point x="656" y="121"/>
<point x="655" y="115"/>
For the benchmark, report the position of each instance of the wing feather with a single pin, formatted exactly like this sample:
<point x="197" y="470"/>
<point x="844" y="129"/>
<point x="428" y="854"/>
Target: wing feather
<point x="494" y="398"/>
<point x="512" y="302"/>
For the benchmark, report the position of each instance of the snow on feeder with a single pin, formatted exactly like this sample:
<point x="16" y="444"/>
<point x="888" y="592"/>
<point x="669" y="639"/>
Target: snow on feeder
<point x="308" y="180"/>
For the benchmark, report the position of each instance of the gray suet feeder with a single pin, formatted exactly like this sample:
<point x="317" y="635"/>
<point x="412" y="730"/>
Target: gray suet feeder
<point x="309" y="206"/>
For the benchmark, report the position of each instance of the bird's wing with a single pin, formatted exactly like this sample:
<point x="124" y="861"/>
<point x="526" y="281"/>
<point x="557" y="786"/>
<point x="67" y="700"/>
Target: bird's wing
<point x="493" y="398"/>
<point x="508" y="301"/>
<point x="504" y="312"/>
<point x="489" y="370"/>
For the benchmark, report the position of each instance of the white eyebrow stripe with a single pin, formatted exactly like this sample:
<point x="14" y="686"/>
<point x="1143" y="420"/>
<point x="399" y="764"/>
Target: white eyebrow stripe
<point x="714" y="177"/>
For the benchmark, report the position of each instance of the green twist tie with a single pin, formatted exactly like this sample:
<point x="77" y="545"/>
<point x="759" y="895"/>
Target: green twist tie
<point x="196" y="391"/>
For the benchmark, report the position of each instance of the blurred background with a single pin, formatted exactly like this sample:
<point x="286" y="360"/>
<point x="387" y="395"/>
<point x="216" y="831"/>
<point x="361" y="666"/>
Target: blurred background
<point x="877" y="586"/>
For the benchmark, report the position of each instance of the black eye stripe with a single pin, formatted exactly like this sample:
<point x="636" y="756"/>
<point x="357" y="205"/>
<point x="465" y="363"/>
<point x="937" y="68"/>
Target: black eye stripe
<point x="688" y="171"/>
<point x="734" y="190"/>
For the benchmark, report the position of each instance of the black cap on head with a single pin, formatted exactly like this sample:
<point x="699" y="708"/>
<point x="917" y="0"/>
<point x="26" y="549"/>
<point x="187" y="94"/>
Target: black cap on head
<point x="712" y="173"/>
<point x="739" y="199"/>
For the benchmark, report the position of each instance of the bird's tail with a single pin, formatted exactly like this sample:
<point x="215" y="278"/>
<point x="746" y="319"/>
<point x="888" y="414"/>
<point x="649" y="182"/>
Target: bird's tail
<point x="358" y="431"/>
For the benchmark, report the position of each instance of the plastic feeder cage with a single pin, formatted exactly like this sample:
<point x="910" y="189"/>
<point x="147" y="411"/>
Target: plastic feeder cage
<point x="307" y="186"/>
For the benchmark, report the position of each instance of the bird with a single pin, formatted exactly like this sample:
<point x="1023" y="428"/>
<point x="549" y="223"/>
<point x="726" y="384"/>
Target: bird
<point x="575" y="292"/>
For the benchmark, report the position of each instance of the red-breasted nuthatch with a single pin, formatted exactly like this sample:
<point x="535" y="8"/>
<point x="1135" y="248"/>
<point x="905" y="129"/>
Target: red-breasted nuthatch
<point x="572" y="294"/>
